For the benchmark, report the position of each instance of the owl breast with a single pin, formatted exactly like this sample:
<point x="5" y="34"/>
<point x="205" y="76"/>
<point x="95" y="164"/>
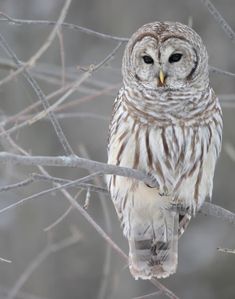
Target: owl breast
<point x="181" y="157"/>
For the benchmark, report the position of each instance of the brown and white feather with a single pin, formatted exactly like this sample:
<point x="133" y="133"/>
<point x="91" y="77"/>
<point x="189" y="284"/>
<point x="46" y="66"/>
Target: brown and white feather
<point x="173" y="132"/>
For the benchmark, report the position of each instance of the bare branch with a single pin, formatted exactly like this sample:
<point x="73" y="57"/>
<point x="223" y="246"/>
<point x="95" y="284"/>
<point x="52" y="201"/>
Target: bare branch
<point x="13" y="21"/>
<point x="226" y="250"/>
<point x="5" y="260"/>
<point x="17" y="185"/>
<point x="219" y="18"/>
<point x="40" y="95"/>
<point x="216" y="70"/>
<point x="155" y="294"/>
<point x="43" y="48"/>
<point x="72" y="183"/>
<point x="62" y="55"/>
<point x="75" y="161"/>
<point x="65" y="115"/>
<point x="51" y="248"/>
<point x="109" y="57"/>
<point x="17" y="117"/>
<point x="60" y="219"/>
<point x="58" y="187"/>
<point x="108" y="226"/>
<point x="51" y="108"/>
<point x="76" y="84"/>
<point x="230" y="150"/>
<point x="217" y="211"/>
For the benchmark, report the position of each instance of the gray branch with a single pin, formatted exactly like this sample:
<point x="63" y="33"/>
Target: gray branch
<point x="94" y="166"/>
<point x="75" y="161"/>
<point x="219" y="18"/>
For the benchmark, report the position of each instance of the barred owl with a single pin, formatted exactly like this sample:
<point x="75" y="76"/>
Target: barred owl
<point x="166" y="122"/>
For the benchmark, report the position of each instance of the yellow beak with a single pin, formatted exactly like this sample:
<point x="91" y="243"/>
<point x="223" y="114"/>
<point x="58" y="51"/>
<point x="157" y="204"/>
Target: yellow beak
<point x="161" y="76"/>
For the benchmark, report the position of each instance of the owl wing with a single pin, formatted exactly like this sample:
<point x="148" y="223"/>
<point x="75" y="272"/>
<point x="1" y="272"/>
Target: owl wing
<point x="112" y="123"/>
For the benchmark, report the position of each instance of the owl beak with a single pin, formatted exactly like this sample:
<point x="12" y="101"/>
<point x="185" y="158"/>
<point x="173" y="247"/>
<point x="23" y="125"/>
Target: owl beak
<point x="161" y="77"/>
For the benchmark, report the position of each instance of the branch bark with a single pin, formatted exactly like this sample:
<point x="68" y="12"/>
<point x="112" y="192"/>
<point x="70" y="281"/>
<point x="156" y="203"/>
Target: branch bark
<point x="75" y="161"/>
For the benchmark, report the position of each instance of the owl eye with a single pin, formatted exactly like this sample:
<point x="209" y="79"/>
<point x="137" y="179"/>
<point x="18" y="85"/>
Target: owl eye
<point x="175" y="57"/>
<point x="148" y="59"/>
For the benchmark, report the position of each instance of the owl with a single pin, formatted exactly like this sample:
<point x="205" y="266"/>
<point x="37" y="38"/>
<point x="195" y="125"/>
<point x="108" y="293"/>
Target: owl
<point x="166" y="122"/>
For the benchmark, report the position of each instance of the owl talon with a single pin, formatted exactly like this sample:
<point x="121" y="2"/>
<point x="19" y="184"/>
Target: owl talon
<point x="164" y="192"/>
<point x="181" y="209"/>
<point x="154" y="183"/>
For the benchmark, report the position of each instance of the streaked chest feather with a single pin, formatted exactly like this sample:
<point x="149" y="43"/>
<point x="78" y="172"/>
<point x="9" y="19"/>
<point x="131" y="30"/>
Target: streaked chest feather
<point x="181" y="157"/>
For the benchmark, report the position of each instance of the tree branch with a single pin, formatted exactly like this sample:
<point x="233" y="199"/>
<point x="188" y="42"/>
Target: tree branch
<point x="13" y="21"/>
<point x="74" y="161"/>
<point x="49" y="249"/>
<point x="32" y="82"/>
<point x="217" y="211"/>
<point x="219" y="18"/>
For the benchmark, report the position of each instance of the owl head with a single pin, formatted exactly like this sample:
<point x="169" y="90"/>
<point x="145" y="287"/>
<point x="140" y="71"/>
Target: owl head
<point x="165" y="56"/>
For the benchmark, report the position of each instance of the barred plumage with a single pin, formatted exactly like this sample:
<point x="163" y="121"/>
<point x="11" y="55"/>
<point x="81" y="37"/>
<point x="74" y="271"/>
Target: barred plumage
<point x="170" y="128"/>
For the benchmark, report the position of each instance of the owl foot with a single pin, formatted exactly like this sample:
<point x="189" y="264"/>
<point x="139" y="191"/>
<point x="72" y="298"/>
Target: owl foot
<point x="164" y="191"/>
<point x="154" y="183"/>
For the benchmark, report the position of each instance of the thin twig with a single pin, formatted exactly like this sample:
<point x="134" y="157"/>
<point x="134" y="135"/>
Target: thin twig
<point x="13" y="21"/>
<point x="63" y="216"/>
<point x="219" y="18"/>
<point x="41" y="96"/>
<point x="75" y="161"/>
<point x="23" y="183"/>
<point x="62" y="55"/>
<point x="2" y="259"/>
<point x="228" y="105"/>
<point x="66" y="115"/>
<point x="109" y="57"/>
<point x="230" y="150"/>
<point x="155" y="294"/>
<point x="87" y="199"/>
<point x="48" y="110"/>
<point x="51" y="108"/>
<point x="226" y="250"/>
<point x="108" y="225"/>
<point x="216" y="70"/>
<point x="217" y="211"/>
<point x="52" y="73"/>
<point x="43" y="48"/>
<point x="50" y="248"/>
<point x="91" y="97"/>
<point x="77" y="184"/>
<point x="17" y="117"/>
<point x="227" y="97"/>
<point x="34" y="177"/>
<point x="44" y="192"/>
<point x="58" y="220"/>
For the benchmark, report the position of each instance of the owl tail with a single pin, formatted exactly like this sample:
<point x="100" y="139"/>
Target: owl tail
<point x="153" y="246"/>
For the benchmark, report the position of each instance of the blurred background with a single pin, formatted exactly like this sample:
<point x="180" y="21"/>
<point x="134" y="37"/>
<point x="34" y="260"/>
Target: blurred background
<point x="90" y="269"/>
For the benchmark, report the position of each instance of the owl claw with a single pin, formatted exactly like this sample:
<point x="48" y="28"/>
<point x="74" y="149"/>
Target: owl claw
<point x="164" y="191"/>
<point x="181" y="209"/>
<point x="154" y="183"/>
